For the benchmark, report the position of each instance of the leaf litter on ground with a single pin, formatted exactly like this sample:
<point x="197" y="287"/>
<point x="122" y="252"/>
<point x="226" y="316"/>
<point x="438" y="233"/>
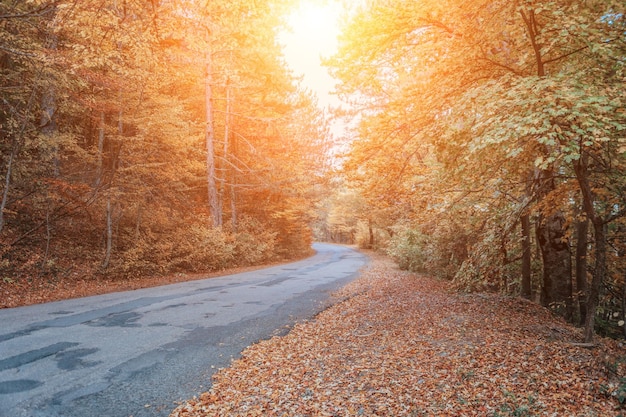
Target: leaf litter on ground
<point x="403" y="344"/>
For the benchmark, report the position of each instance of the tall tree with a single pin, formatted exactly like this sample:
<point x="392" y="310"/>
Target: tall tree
<point x="461" y="100"/>
<point x="104" y="120"/>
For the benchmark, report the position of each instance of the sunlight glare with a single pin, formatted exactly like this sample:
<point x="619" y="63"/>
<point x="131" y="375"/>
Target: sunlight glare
<point x="314" y="21"/>
<point x="313" y="35"/>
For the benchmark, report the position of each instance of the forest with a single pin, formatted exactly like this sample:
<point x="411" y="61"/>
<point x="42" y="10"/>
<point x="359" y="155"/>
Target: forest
<point x="486" y="143"/>
<point x="149" y="137"/>
<point x="490" y="147"/>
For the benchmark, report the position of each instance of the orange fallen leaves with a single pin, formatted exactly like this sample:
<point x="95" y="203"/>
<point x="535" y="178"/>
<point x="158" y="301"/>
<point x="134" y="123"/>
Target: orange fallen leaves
<point x="85" y="281"/>
<point x="403" y="345"/>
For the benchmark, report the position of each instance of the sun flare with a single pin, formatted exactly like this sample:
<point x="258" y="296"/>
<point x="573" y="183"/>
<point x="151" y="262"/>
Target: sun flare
<point x="314" y="28"/>
<point x="315" y="20"/>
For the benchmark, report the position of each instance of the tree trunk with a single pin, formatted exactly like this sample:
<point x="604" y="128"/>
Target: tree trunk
<point x="551" y="233"/>
<point x="7" y="183"/>
<point x="47" y="120"/>
<point x="48" y="236"/>
<point x="100" y="156"/>
<point x="599" y="232"/>
<point x="233" y="203"/>
<point x="533" y="33"/>
<point x="526" y="258"/>
<point x="624" y="303"/>
<point x="582" y="228"/>
<point x="228" y="150"/>
<point x="138" y="222"/>
<point x="214" y="206"/>
<point x="555" y="252"/>
<point x="15" y="148"/>
<point x="599" y="271"/>
<point x="109" y="235"/>
<point x="48" y="127"/>
<point x="504" y="252"/>
<point x="557" y="263"/>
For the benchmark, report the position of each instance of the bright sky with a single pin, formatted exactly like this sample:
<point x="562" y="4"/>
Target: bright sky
<point x="315" y="28"/>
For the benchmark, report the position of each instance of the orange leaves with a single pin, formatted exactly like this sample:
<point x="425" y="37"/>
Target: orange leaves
<point x="403" y="345"/>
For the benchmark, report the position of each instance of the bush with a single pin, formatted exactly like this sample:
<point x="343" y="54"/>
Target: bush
<point x="195" y="248"/>
<point x="253" y="244"/>
<point x="439" y="249"/>
<point x="203" y="248"/>
<point x="407" y="249"/>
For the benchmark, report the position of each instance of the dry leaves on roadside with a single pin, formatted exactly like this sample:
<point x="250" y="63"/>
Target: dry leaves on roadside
<point x="85" y="282"/>
<point x="403" y="345"/>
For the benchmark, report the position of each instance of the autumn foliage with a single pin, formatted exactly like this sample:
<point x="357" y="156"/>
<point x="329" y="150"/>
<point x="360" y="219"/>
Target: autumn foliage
<point x="488" y="146"/>
<point x="106" y="170"/>
<point x="401" y="344"/>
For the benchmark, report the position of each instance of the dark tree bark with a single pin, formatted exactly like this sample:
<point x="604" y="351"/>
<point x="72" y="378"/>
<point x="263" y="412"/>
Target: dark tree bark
<point x="109" y="235"/>
<point x="599" y="272"/>
<point x="551" y="232"/>
<point x="526" y="257"/>
<point x="582" y="229"/>
<point x="47" y="120"/>
<point x="209" y="133"/>
<point x="557" y="263"/>
<point x="599" y="231"/>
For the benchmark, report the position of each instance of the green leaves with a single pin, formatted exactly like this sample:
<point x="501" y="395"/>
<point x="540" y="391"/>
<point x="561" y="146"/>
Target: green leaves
<point x="503" y="100"/>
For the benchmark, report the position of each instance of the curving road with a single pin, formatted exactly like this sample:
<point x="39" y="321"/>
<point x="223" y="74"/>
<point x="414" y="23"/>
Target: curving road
<point x="137" y="353"/>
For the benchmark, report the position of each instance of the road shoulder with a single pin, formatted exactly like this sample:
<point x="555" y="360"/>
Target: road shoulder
<point x="404" y="344"/>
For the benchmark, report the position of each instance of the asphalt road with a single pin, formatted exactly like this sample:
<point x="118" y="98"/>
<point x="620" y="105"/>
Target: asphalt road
<point x="138" y="353"/>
